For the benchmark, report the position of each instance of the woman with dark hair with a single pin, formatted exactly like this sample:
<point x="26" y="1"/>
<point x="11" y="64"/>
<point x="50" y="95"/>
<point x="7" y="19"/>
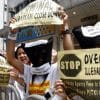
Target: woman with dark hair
<point x="16" y="78"/>
<point x="21" y="55"/>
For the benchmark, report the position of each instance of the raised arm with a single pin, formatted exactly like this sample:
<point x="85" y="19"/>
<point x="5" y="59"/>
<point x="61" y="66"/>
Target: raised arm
<point x="10" y="49"/>
<point x="66" y="35"/>
<point x="67" y="42"/>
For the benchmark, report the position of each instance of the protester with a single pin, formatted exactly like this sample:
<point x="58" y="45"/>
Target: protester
<point x="15" y="77"/>
<point x="21" y="55"/>
<point x="60" y="88"/>
<point x="66" y="92"/>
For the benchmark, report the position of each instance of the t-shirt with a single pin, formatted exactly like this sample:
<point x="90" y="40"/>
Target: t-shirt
<point x="20" y="89"/>
<point x="38" y="86"/>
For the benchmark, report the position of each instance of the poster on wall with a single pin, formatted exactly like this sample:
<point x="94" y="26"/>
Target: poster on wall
<point x="80" y="71"/>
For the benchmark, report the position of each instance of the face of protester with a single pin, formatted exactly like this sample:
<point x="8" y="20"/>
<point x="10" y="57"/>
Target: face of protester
<point x="40" y="54"/>
<point x="22" y="56"/>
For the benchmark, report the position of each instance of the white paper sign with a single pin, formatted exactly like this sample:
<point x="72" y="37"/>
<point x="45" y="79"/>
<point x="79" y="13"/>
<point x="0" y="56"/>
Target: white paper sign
<point x="39" y="12"/>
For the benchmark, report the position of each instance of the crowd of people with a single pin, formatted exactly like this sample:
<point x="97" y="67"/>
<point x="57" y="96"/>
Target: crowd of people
<point x="34" y="64"/>
<point x="41" y="75"/>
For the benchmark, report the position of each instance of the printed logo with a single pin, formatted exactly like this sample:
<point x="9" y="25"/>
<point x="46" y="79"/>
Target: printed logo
<point x="70" y="65"/>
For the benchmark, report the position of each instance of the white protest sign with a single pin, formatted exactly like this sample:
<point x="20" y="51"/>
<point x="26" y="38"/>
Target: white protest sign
<point x="4" y="71"/>
<point x="80" y="71"/>
<point x="39" y="12"/>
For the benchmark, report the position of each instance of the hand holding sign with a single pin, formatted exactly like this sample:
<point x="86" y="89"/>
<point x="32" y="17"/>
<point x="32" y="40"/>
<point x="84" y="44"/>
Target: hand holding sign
<point x="12" y="34"/>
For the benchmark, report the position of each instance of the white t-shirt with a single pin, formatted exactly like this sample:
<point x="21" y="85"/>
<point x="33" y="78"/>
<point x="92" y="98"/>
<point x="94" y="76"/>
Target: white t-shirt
<point x="36" y="87"/>
<point x="21" y="90"/>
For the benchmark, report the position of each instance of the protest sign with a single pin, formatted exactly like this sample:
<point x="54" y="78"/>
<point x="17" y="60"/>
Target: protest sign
<point x="37" y="19"/>
<point x="4" y="76"/>
<point x="80" y="70"/>
<point x="39" y="12"/>
<point x="4" y="71"/>
<point x="32" y="32"/>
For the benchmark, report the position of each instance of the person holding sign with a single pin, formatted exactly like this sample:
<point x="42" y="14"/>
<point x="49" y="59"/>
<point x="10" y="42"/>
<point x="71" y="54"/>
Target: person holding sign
<point x="41" y="77"/>
<point x="60" y="88"/>
<point x="15" y="77"/>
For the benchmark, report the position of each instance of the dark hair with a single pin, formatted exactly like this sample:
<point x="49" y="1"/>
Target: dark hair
<point x="21" y="46"/>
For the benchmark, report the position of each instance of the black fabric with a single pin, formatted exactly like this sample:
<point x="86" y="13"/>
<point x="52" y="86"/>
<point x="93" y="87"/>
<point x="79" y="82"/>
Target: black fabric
<point x="44" y="78"/>
<point x="97" y="39"/>
<point x="47" y="95"/>
<point x="84" y="42"/>
<point x="40" y="54"/>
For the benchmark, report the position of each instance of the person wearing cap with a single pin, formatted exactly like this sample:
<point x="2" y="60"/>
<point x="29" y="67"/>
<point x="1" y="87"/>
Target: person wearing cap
<point x="41" y="77"/>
